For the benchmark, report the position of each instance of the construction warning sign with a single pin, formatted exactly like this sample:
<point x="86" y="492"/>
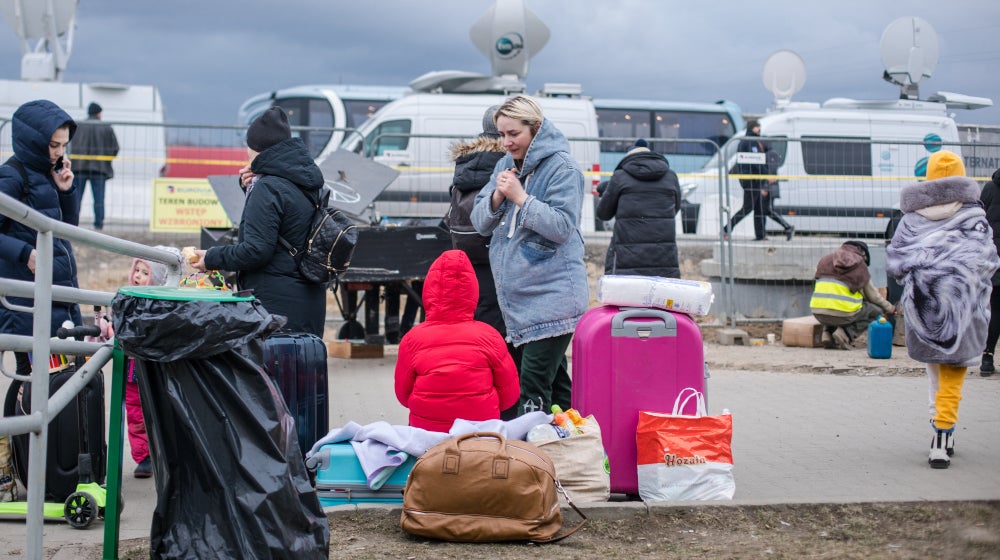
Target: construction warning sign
<point x="186" y="205"/>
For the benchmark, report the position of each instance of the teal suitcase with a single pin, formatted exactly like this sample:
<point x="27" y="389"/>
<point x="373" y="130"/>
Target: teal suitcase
<point x="340" y="479"/>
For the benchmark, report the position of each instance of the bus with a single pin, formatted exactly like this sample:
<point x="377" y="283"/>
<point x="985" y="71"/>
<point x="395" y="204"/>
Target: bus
<point x="342" y="107"/>
<point x="662" y="123"/>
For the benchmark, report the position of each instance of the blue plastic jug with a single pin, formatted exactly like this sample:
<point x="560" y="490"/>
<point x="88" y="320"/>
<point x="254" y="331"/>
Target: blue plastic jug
<point x="880" y="338"/>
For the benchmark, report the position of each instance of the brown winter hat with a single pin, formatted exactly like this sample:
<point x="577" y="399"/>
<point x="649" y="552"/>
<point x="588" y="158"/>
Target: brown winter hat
<point x="270" y="128"/>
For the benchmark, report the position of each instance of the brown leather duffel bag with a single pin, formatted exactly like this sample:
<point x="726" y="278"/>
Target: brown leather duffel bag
<point x="482" y="487"/>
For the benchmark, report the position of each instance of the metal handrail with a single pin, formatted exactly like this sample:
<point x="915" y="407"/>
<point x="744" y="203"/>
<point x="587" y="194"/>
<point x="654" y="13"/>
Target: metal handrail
<point x="43" y="407"/>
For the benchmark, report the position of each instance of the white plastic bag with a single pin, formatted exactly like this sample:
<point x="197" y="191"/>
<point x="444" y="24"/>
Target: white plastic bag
<point x="673" y="294"/>
<point x="684" y="457"/>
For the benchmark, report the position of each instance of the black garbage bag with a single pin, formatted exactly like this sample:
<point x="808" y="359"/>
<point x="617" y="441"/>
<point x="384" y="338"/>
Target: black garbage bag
<point x="230" y="478"/>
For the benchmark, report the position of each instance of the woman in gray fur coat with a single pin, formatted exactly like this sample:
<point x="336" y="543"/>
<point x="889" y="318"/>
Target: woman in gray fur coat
<point x="943" y="255"/>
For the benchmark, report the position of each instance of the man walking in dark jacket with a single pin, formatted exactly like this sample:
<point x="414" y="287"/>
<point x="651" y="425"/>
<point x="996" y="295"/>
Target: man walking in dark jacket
<point x="94" y="146"/>
<point x="751" y="159"/>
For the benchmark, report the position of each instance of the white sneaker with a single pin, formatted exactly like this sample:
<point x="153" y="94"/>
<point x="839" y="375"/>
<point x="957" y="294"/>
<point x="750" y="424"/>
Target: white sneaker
<point x="938" y="458"/>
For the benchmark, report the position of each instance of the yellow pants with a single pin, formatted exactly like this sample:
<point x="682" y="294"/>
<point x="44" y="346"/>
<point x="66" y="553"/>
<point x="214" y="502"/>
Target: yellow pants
<point x="946" y="392"/>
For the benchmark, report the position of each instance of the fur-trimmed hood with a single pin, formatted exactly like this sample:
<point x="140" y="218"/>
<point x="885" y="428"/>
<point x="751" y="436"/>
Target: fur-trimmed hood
<point x="478" y="144"/>
<point x="939" y="191"/>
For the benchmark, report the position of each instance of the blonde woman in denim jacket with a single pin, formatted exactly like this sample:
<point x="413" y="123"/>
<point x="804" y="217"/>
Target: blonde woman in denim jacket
<point x="531" y="209"/>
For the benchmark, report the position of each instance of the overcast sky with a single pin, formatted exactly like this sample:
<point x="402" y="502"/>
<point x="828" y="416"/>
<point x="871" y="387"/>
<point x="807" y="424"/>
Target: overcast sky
<point x="208" y="56"/>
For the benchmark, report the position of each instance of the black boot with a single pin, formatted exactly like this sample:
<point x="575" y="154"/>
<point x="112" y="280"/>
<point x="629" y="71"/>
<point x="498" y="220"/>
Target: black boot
<point x="986" y="369"/>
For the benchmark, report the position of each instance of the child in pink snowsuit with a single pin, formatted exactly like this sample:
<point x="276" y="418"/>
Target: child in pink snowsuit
<point x="143" y="273"/>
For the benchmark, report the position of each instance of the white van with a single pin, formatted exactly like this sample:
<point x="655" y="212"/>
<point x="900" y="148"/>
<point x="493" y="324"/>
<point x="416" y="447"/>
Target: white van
<point x="415" y="133"/>
<point x="842" y="164"/>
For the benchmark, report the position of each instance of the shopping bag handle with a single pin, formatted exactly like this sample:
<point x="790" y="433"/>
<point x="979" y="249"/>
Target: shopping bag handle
<point x="686" y="395"/>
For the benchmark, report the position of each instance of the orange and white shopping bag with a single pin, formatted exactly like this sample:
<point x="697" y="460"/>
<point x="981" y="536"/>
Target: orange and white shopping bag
<point x="683" y="457"/>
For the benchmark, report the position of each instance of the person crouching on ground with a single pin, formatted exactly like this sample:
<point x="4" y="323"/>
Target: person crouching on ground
<point x="451" y="366"/>
<point x="943" y="255"/>
<point x="844" y="299"/>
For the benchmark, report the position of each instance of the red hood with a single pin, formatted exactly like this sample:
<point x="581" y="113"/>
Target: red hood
<point x="451" y="289"/>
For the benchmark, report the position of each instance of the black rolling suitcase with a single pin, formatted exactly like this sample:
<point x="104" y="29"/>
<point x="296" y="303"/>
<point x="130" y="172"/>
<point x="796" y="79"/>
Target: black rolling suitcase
<point x="73" y="437"/>
<point x="297" y="365"/>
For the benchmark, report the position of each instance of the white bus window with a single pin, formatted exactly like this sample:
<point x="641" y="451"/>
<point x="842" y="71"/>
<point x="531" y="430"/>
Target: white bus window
<point x="717" y="127"/>
<point x="303" y="111"/>
<point x="360" y="111"/>
<point x="621" y="123"/>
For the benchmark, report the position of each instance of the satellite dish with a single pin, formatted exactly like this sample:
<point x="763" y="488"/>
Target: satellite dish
<point x="50" y="23"/>
<point x="509" y="34"/>
<point x="909" y="53"/>
<point x="29" y="18"/>
<point x="784" y="75"/>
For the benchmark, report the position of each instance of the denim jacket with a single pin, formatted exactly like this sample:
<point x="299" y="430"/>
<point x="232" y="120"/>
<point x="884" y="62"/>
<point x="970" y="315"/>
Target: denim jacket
<point x="536" y="252"/>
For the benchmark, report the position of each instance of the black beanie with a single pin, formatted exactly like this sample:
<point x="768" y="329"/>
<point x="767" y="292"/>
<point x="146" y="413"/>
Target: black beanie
<point x="93" y="109"/>
<point x="270" y="128"/>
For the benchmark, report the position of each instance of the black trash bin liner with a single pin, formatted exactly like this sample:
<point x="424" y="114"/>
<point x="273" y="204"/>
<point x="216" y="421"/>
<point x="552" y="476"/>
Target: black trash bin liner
<point x="230" y="478"/>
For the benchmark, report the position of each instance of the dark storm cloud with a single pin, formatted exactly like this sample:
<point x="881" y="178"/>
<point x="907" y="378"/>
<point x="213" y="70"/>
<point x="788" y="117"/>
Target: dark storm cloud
<point x="207" y="57"/>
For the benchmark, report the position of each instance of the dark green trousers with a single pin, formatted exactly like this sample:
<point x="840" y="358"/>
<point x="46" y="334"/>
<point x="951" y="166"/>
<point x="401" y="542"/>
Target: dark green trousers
<point x="545" y="375"/>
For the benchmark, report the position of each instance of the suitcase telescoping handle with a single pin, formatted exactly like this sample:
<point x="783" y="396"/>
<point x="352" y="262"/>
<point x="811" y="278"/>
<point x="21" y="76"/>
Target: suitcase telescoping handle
<point x="622" y="327"/>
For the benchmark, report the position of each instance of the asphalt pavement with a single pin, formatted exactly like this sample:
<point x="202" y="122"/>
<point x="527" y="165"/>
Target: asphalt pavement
<point x="849" y="436"/>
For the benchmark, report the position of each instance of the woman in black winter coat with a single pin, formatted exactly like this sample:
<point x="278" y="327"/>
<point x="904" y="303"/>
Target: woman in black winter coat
<point x="643" y="197"/>
<point x="474" y="162"/>
<point x="282" y="188"/>
<point x="990" y="197"/>
<point x="40" y="131"/>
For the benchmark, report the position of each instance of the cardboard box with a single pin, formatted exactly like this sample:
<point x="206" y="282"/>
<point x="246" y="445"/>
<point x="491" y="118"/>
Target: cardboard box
<point x="354" y="349"/>
<point x="803" y="332"/>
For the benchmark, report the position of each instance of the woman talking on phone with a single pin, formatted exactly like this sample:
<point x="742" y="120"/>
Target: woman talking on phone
<point x="531" y="209"/>
<point x="40" y="176"/>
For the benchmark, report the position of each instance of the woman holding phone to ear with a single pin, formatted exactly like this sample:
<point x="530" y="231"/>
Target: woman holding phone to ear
<point x="531" y="209"/>
<point x="39" y="175"/>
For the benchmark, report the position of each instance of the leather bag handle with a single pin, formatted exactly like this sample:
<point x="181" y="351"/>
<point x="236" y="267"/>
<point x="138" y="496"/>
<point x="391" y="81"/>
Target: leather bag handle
<point x="501" y="459"/>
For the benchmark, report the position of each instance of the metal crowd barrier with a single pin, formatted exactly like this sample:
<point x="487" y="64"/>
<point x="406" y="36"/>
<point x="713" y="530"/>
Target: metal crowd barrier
<point x="43" y="407"/>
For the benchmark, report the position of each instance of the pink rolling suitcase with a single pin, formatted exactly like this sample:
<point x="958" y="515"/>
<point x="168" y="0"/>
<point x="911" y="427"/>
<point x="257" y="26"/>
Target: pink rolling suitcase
<point x="631" y="359"/>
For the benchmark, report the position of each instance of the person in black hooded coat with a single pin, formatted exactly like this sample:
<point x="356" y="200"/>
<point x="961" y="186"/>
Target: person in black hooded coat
<point x="642" y="196"/>
<point x="990" y="197"/>
<point x="474" y="163"/>
<point x="40" y="133"/>
<point x="282" y="188"/>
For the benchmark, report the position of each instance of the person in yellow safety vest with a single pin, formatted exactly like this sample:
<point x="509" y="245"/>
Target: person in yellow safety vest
<point x="844" y="300"/>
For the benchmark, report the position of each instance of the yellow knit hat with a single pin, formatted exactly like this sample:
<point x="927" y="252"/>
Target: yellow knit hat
<point x="944" y="164"/>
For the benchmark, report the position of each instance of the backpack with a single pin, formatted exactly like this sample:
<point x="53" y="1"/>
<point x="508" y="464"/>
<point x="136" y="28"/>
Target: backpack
<point x="459" y="222"/>
<point x="329" y="245"/>
<point x="13" y="162"/>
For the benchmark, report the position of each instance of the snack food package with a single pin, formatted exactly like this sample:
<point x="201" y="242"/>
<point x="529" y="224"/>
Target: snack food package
<point x="189" y="254"/>
<point x="685" y="296"/>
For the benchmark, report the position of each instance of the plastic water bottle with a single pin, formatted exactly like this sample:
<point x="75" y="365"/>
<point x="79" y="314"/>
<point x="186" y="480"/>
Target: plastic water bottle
<point x="545" y="432"/>
<point x="880" y="338"/>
